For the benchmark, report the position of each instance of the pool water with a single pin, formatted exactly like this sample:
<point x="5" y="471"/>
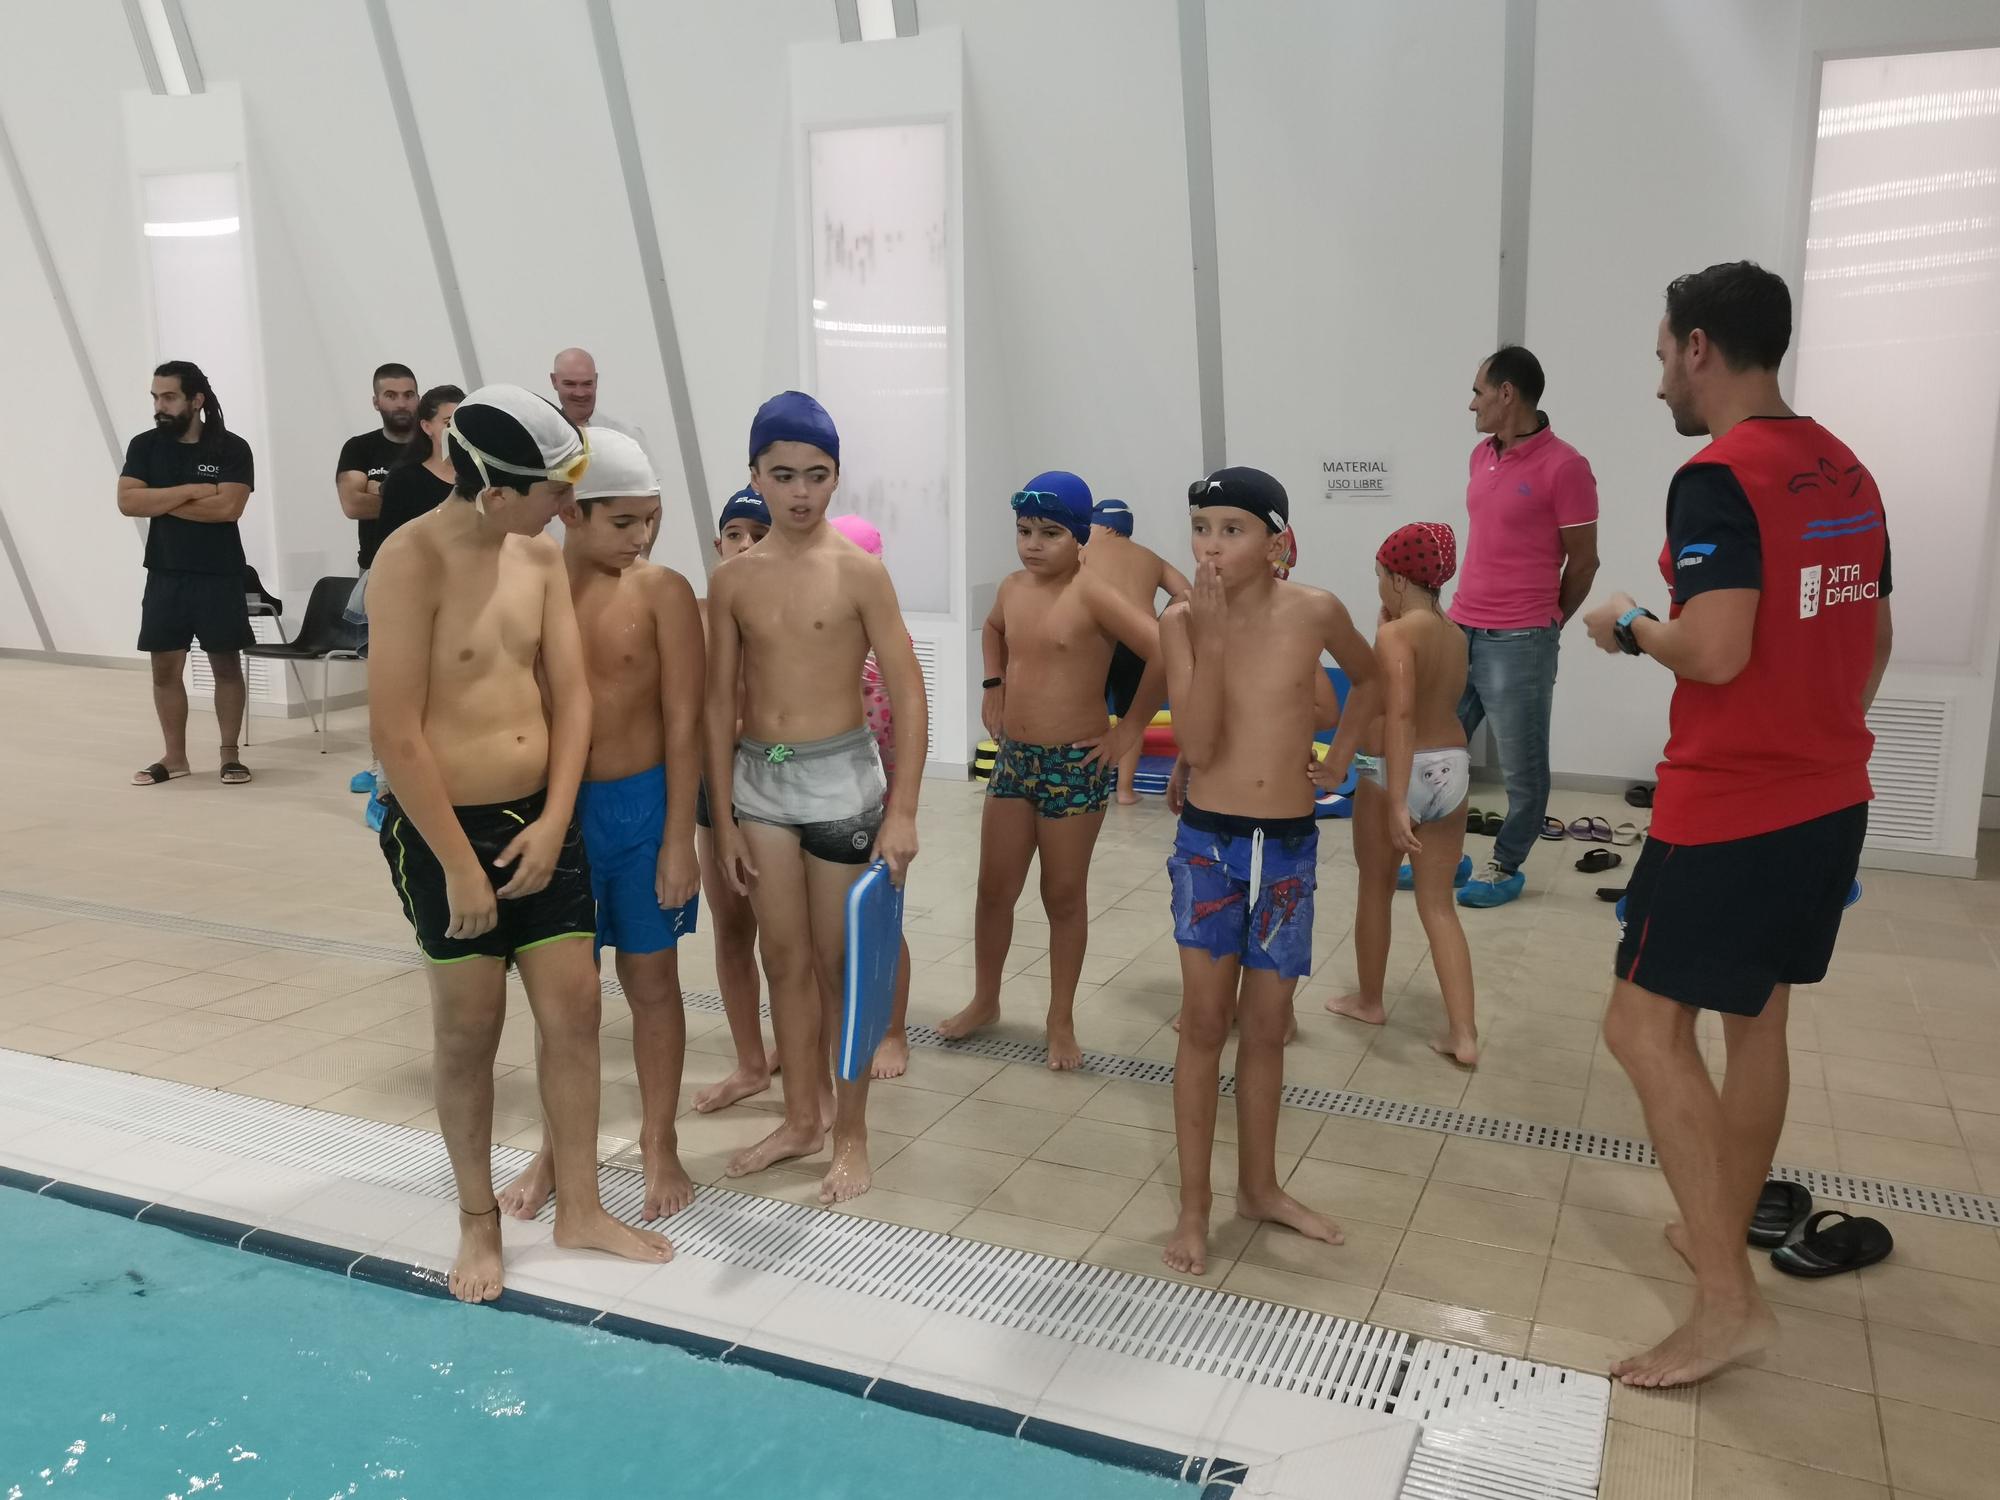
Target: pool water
<point x="143" y="1364"/>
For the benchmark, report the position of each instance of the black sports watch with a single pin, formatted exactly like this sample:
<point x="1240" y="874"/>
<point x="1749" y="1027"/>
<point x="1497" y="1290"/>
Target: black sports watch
<point x="1622" y="631"/>
<point x="990" y="683"/>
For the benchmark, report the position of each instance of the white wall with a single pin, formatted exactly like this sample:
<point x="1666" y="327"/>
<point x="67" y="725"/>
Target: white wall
<point x="1357" y="160"/>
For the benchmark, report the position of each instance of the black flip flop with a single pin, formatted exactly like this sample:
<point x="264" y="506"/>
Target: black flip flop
<point x="229" y="766"/>
<point x="1781" y="1208"/>
<point x="1493" y="824"/>
<point x="1555" y="830"/>
<point x="1849" y="1245"/>
<point x="1599" y="860"/>
<point x="156" y="774"/>
<point x="1640" y="795"/>
<point x="1610" y="893"/>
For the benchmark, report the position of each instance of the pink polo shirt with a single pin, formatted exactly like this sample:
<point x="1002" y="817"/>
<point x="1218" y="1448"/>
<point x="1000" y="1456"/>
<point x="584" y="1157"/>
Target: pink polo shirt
<point x="1517" y="504"/>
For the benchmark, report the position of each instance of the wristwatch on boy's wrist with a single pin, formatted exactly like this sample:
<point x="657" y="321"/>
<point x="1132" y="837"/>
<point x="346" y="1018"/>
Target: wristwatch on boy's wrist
<point x="1622" y="631"/>
<point x="990" y="683"/>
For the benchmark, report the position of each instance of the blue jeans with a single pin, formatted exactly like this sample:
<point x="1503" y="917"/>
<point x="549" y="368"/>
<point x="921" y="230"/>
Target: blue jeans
<point x="1511" y="682"/>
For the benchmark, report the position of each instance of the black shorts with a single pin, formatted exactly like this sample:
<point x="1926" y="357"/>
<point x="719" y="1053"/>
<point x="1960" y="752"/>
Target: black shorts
<point x="701" y="817"/>
<point x="1121" y="683"/>
<point x="561" y="909"/>
<point x="1719" y="926"/>
<point x="180" y="608"/>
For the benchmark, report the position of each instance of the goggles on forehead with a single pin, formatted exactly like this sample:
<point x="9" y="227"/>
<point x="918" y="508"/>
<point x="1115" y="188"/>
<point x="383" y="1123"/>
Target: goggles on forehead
<point x="1034" y="500"/>
<point x="569" y="471"/>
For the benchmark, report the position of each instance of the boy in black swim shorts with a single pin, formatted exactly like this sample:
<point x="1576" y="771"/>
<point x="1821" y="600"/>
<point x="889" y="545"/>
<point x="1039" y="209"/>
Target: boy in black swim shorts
<point x="1048" y="644"/>
<point x="480" y="831"/>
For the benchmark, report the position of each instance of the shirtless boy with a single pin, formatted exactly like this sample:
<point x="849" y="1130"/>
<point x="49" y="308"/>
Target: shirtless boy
<point x="643" y="655"/>
<point x="744" y="522"/>
<point x="1242" y="652"/>
<point x="480" y="833"/>
<point x="797" y="798"/>
<point x="1414" y="774"/>
<point x="1048" y="647"/>
<point x="1138" y="573"/>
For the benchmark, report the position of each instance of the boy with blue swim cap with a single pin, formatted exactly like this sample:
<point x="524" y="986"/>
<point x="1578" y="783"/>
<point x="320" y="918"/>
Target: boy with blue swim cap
<point x="643" y="659"/>
<point x="1140" y="574"/>
<point x="1047" y="645"/>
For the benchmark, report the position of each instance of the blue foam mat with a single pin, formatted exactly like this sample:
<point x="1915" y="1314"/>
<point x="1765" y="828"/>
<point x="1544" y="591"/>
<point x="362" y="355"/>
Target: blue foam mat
<point x="874" y="946"/>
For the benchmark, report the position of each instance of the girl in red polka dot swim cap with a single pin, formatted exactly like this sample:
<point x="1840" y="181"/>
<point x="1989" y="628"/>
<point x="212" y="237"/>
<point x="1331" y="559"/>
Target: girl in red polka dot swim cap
<point x="1414" y="775"/>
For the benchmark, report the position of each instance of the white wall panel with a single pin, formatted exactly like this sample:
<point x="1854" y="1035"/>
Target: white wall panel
<point x="514" y="122"/>
<point x="17" y="626"/>
<point x="1357" y="159"/>
<point x="1677" y="155"/>
<point x="345" y="278"/>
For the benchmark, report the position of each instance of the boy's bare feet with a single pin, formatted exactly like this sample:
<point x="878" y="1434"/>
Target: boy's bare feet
<point x="1283" y="1208"/>
<point x="1463" y="1050"/>
<point x="1064" y="1054"/>
<point x="524" y="1196"/>
<point x="1187" y="1249"/>
<point x="782" y="1144"/>
<point x="1719" y="1332"/>
<point x="1358" y="1007"/>
<point x="475" y="1274"/>
<point x="741" y="1084"/>
<point x="1128" y="799"/>
<point x="594" y="1229"/>
<point x="850" y="1175"/>
<point x="979" y="1013"/>
<point x="892" y="1058"/>
<point x="669" y="1189"/>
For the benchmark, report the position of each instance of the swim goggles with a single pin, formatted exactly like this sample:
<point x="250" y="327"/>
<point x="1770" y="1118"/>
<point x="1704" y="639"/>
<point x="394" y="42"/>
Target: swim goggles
<point x="1037" y="501"/>
<point x="569" y="471"/>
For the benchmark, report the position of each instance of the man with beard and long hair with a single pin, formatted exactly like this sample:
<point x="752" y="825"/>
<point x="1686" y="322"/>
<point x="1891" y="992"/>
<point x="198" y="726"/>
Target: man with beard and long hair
<point x="190" y="477"/>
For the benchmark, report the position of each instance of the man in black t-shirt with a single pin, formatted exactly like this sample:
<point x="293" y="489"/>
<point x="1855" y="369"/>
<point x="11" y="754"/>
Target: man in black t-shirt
<point x="366" y="458"/>
<point x="191" y="477"/>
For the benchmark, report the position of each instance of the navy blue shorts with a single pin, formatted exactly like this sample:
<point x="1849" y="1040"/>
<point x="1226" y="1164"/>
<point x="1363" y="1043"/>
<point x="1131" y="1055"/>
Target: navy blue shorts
<point x="624" y="823"/>
<point x="1243" y="888"/>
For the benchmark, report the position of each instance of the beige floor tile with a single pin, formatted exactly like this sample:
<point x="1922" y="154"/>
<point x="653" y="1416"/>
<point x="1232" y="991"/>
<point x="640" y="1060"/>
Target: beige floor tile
<point x="1927" y="1370"/>
<point x="1100" y="1146"/>
<point x="1338" y="1299"/>
<point x="1369" y="1143"/>
<point x="348" y="1061"/>
<point x="994" y="1127"/>
<point x="1437" y="1082"/>
<point x="185" y="1031"/>
<point x="124" y="1056"/>
<point x="124" y="978"/>
<point x="1799" y="1421"/>
<point x="1906" y="1161"/>
<point x="1872" y="1044"/>
<point x="1485" y="1217"/>
<point x="1613" y="1304"/>
<point x="1522" y="1099"/>
<point x="1144" y="1259"/>
<point x="1820" y="1346"/>
<point x="1577" y="1350"/>
<point x="1617" y="1188"/>
<point x="1037" y="1235"/>
<point x="1671" y="1410"/>
<point x="1641" y="1463"/>
<point x="1932" y="1303"/>
<point x="1617" y="1242"/>
<point x="1363" y="1259"/>
<point x="1972" y="1091"/>
<point x="196" y="1068"/>
<point x="1451" y="1323"/>
<point x="1504" y="1168"/>
<point x="1062" y="1195"/>
<point x="1930" y="1124"/>
<point x="889" y="1207"/>
<point x="390" y="1109"/>
<point x="1038" y="1088"/>
<point x="268" y="1002"/>
<point x="1154" y="1212"/>
<point x="907" y="1111"/>
<point x="1507" y="1282"/>
<point x="1356" y="1192"/>
<point x="288" y="1088"/>
<point x="93" y="1018"/>
<point x="1884" y="1080"/>
<point x="1732" y="1474"/>
<point x="1938" y="1454"/>
<point x="191" y="990"/>
<point x="949" y="1174"/>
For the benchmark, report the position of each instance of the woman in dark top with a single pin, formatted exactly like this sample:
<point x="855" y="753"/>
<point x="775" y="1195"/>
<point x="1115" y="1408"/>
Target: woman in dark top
<point x="423" y="479"/>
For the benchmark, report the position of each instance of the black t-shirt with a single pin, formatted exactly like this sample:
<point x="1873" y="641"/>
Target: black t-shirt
<point x="374" y="454"/>
<point x="409" y="492"/>
<point x="160" y="461"/>
<point x="1712" y="537"/>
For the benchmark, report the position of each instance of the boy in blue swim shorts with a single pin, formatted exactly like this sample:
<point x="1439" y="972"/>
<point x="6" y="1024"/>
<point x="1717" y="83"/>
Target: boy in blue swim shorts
<point x="642" y="650"/>
<point x="1047" y="644"/>
<point x="1243" y="659"/>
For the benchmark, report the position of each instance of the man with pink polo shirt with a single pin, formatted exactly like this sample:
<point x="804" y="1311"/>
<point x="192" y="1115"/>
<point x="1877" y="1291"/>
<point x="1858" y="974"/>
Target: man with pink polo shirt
<point x="1530" y="556"/>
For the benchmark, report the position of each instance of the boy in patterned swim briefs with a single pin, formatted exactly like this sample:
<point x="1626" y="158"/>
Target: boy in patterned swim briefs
<point x="1242" y="655"/>
<point x="1048" y="645"/>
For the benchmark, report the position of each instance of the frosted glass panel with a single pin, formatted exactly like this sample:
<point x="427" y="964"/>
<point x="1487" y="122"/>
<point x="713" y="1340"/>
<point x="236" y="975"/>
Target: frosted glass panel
<point x="1899" y="332"/>
<point x="881" y="289"/>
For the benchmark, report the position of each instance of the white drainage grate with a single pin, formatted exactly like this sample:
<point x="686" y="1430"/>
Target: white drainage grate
<point x="1495" y="1426"/>
<point x="1875" y="1192"/>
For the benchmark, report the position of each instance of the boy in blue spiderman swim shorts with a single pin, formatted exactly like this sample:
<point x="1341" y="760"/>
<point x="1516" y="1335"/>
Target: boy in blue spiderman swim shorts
<point x="1047" y="645"/>
<point x="1243" y="659"/>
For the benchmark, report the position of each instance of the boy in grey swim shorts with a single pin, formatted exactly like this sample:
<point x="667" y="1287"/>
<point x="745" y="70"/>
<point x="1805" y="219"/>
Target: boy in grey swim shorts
<point x="797" y="795"/>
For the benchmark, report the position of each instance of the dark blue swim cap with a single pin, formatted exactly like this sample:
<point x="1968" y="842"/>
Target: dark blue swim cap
<point x="1115" y="515"/>
<point x="1057" y="496"/>
<point x="794" y="417"/>
<point x="745" y="505"/>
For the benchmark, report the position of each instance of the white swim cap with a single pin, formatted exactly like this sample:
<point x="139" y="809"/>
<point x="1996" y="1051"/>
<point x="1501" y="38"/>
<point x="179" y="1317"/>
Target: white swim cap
<point x="618" y="466"/>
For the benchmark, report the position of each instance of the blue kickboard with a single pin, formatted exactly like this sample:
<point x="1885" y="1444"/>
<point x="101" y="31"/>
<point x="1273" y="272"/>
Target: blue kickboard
<point x="874" y="946"/>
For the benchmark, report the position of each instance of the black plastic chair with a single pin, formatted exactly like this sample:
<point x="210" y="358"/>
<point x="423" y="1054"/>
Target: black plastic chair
<point x="258" y="600"/>
<point x="324" y="636"/>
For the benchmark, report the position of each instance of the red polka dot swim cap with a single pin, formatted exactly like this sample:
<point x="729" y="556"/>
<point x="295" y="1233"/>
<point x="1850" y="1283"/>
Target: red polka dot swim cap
<point x="1425" y="552"/>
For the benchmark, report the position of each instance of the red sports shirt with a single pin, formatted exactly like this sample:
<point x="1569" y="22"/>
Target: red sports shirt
<point x="1783" y="506"/>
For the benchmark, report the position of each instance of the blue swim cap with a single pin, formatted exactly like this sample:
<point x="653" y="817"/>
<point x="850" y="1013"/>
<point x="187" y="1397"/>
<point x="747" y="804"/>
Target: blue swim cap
<point x="1057" y="496"/>
<point x="794" y="417"/>
<point x="745" y="505"/>
<point x="1113" y="514"/>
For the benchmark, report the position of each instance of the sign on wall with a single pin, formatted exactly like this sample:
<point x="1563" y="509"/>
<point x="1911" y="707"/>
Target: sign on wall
<point x="1357" y="478"/>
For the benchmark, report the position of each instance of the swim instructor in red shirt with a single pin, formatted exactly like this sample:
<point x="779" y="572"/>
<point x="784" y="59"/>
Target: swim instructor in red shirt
<point x="1777" y="565"/>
